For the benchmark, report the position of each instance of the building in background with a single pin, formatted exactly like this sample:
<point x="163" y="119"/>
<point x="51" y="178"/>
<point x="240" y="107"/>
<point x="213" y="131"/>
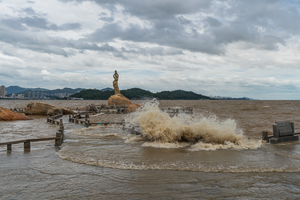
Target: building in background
<point x="38" y="94"/>
<point x="42" y="95"/>
<point x="29" y="95"/>
<point x="2" y="91"/>
<point x="20" y="96"/>
<point x="13" y="96"/>
<point x="33" y="95"/>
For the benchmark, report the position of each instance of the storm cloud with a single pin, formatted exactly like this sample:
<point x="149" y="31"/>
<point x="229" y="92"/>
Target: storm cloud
<point x="231" y="48"/>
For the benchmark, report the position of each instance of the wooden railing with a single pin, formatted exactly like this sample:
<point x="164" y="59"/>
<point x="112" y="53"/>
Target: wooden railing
<point x="59" y="139"/>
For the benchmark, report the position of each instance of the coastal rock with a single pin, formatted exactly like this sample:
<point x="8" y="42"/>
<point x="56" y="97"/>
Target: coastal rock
<point x="118" y="100"/>
<point x="132" y="108"/>
<point x="54" y="111"/>
<point x="38" y="108"/>
<point x="8" y="115"/>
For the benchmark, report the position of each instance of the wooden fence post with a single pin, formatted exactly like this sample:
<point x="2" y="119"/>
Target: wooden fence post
<point x="123" y="123"/>
<point x="58" y="141"/>
<point x="265" y="136"/>
<point x="8" y="147"/>
<point x="27" y="144"/>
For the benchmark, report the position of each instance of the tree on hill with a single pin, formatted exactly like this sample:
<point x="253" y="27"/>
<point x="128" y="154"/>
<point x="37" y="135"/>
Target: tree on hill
<point x="137" y="93"/>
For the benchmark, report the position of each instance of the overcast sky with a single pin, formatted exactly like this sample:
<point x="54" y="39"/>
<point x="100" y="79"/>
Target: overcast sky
<point x="213" y="47"/>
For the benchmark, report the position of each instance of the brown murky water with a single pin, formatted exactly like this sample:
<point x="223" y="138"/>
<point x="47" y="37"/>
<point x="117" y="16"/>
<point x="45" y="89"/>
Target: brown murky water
<point x="108" y="163"/>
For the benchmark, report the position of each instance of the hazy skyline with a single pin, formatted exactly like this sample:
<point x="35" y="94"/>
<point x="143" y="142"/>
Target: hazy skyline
<point x="229" y="48"/>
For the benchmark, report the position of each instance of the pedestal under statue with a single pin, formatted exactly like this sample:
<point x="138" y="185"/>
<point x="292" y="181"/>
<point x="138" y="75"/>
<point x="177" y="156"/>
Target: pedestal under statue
<point x="117" y="98"/>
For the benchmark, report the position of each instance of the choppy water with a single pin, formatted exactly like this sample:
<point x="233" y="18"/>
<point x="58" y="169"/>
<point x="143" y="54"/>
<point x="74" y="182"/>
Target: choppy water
<point x="107" y="162"/>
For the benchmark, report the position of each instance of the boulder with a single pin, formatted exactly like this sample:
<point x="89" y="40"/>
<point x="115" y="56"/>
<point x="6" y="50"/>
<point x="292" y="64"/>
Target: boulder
<point x="132" y="108"/>
<point x="54" y="111"/>
<point x="8" y="115"/>
<point x="38" y="108"/>
<point x="118" y="100"/>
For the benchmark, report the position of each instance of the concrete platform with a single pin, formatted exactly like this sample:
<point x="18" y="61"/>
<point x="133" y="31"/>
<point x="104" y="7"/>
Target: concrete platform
<point x="284" y="139"/>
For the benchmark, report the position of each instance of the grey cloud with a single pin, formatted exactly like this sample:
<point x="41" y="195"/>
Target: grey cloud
<point x="30" y="1"/>
<point x="37" y="22"/>
<point x="155" y="9"/>
<point x="161" y="51"/>
<point x="162" y="36"/>
<point x="107" y="19"/>
<point x="249" y="21"/>
<point x="212" y="21"/>
<point x="270" y="42"/>
<point x="28" y="11"/>
<point x="183" y="20"/>
<point x="69" y="26"/>
<point x="45" y="44"/>
<point x="9" y="73"/>
<point x="259" y="23"/>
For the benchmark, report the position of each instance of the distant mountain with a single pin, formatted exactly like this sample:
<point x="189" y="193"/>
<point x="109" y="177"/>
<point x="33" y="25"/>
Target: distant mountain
<point x="107" y="89"/>
<point x="137" y="93"/>
<point x="38" y="89"/>
<point x="66" y="90"/>
<point x="179" y="94"/>
<point x="14" y="89"/>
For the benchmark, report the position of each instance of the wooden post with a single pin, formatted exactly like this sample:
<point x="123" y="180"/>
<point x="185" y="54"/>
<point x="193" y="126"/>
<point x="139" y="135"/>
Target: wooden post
<point x="8" y="147"/>
<point x="265" y="136"/>
<point x="123" y="123"/>
<point x="27" y="144"/>
<point x="58" y="141"/>
<point x="61" y="125"/>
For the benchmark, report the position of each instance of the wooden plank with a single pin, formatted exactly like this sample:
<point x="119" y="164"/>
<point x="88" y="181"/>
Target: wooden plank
<point x="13" y="142"/>
<point x="31" y="140"/>
<point x="99" y="123"/>
<point x="43" y="139"/>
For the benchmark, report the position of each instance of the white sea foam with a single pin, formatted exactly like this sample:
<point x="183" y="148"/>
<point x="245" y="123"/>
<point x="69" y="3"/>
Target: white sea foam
<point x="208" y="132"/>
<point x="166" y="145"/>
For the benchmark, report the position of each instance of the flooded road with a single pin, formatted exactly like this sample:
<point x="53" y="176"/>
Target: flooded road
<point x="108" y="163"/>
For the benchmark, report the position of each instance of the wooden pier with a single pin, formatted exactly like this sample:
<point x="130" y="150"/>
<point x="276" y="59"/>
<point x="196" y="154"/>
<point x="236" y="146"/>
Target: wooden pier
<point x="107" y="109"/>
<point x="76" y="119"/>
<point x="59" y="139"/>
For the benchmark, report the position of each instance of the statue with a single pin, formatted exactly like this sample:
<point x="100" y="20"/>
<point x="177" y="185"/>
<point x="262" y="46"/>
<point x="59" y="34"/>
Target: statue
<point x="117" y="98"/>
<point x="115" y="83"/>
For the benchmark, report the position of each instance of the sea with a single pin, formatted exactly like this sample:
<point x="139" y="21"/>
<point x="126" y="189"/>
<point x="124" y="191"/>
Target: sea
<point x="214" y="153"/>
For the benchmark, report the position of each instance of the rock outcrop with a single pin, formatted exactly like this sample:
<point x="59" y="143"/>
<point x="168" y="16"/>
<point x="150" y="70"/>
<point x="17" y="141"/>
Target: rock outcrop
<point x="38" y="108"/>
<point x="118" y="100"/>
<point x="132" y="108"/>
<point x="54" y="111"/>
<point x="8" y="115"/>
